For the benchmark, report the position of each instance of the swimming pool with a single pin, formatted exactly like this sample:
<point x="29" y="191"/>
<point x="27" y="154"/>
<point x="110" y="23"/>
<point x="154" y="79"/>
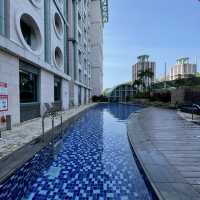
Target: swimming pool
<point x="93" y="162"/>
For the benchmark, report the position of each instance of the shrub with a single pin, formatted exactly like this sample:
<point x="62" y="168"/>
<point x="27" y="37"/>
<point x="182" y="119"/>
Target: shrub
<point x="163" y="96"/>
<point x="141" y="95"/>
<point x="100" y="98"/>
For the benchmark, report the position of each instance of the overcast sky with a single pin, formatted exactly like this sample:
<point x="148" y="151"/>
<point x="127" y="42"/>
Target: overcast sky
<point x="165" y="30"/>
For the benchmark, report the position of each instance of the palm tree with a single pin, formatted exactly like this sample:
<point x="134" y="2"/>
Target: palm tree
<point x="138" y="83"/>
<point x="142" y="76"/>
<point x="179" y="82"/>
<point x="149" y="74"/>
<point x="146" y="74"/>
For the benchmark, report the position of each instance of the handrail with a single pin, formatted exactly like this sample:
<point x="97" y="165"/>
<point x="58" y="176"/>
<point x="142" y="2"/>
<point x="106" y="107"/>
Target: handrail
<point x="195" y="106"/>
<point x="52" y="113"/>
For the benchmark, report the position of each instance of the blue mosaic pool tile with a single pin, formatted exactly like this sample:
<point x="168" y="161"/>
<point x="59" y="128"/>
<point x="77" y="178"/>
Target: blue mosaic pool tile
<point x="93" y="162"/>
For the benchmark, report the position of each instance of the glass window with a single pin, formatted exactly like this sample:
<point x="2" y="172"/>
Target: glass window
<point x="80" y="75"/>
<point x="57" y="89"/>
<point x="26" y="31"/>
<point x="28" y="87"/>
<point x="79" y="95"/>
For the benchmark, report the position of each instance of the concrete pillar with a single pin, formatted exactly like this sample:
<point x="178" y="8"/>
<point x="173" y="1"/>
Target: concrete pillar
<point x="75" y="95"/>
<point x="46" y="89"/>
<point x="82" y="95"/>
<point x="65" y="94"/>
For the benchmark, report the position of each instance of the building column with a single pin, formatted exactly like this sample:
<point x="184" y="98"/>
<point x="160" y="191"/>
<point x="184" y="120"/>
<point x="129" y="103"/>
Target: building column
<point x="65" y="94"/>
<point x="46" y="89"/>
<point x="2" y="17"/>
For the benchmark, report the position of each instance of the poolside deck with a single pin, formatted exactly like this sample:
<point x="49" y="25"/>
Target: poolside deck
<point x="168" y="149"/>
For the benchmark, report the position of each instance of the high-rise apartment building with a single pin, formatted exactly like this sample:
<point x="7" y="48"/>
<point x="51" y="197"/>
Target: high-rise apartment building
<point x="144" y="64"/>
<point x="45" y="55"/>
<point x="182" y="69"/>
<point x="99" y="14"/>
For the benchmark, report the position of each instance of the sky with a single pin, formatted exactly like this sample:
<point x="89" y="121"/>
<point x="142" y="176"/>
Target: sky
<point x="163" y="29"/>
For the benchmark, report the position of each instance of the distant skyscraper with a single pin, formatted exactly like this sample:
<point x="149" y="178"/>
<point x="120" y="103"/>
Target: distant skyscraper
<point x="182" y="69"/>
<point x="142" y="65"/>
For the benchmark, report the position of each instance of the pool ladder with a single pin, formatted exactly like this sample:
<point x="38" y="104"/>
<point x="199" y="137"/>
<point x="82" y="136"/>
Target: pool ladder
<point x="51" y="135"/>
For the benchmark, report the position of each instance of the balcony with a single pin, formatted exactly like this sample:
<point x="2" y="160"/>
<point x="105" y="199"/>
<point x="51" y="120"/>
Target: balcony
<point x="104" y="11"/>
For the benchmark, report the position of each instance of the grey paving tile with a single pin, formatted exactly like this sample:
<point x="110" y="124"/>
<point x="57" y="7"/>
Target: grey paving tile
<point x="178" y="191"/>
<point x="165" y="174"/>
<point x="28" y="131"/>
<point x="168" y="148"/>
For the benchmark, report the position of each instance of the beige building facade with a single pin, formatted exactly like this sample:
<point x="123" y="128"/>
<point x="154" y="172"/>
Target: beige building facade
<point x="182" y="69"/>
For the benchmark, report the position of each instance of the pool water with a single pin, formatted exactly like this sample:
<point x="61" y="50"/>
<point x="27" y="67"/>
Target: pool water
<point x="93" y="162"/>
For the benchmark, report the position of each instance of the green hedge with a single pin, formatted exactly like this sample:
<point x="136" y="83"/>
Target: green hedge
<point x="193" y="81"/>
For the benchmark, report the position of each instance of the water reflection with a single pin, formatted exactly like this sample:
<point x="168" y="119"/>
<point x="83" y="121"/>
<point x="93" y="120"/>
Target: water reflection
<point x="121" y="111"/>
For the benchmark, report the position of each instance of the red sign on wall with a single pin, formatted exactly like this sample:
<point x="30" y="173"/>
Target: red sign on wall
<point x="3" y="88"/>
<point x="3" y="96"/>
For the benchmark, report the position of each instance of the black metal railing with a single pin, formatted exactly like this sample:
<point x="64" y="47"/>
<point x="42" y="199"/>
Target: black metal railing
<point x="193" y="109"/>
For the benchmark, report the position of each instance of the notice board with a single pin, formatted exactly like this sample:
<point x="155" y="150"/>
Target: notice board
<point x="3" y="96"/>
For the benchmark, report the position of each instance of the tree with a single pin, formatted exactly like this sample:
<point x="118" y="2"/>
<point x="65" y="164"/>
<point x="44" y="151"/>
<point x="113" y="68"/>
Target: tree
<point x="149" y="75"/>
<point x="142" y="76"/>
<point x="146" y="74"/>
<point x="138" y="83"/>
<point x="179" y="82"/>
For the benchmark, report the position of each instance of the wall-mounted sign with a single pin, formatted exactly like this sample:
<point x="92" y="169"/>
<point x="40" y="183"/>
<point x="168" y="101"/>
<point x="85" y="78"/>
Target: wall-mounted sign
<point x="3" y="96"/>
<point x="3" y="103"/>
<point x="3" y="88"/>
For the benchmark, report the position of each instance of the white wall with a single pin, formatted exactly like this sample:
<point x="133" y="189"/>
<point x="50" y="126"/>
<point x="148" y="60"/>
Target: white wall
<point x="65" y="95"/>
<point x="82" y="95"/>
<point x="75" y="95"/>
<point x="9" y="73"/>
<point x="47" y="89"/>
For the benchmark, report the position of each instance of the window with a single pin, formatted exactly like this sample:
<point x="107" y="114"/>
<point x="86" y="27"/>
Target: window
<point x="85" y="96"/>
<point x="85" y="32"/>
<point x="85" y="64"/>
<point x="58" y="57"/>
<point x="185" y="69"/>
<point x="80" y="57"/>
<point x="28" y="87"/>
<point x="79" y="95"/>
<point x="80" y="75"/>
<point x="57" y="89"/>
<point x="30" y="32"/>
<point x="58" y="24"/>
<point x="79" y="37"/>
<point x="26" y="31"/>
<point x="79" y="20"/>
